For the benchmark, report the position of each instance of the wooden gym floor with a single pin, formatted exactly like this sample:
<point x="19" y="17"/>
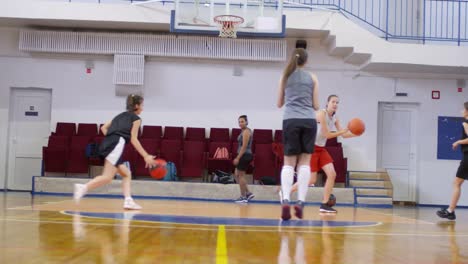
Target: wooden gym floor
<point x="51" y="229"/>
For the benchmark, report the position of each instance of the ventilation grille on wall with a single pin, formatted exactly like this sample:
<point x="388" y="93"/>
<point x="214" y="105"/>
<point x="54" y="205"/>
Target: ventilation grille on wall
<point x="129" y="69"/>
<point x="163" y="45"/>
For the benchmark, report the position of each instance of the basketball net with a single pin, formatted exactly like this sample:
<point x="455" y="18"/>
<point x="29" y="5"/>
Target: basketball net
<point x="228" y="25"/>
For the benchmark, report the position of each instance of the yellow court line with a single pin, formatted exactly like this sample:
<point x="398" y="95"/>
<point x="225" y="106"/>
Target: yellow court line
<point x="221" y="248"/>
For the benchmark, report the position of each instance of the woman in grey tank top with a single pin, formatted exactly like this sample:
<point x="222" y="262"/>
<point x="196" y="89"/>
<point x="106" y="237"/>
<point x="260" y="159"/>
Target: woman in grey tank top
<point x="243" y="159"/>
<point x="298" y="92"/>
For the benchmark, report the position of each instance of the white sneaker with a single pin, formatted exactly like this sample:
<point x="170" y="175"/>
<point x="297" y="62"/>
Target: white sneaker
<point x="79" y="192"/>
<point x="129" y="204"/>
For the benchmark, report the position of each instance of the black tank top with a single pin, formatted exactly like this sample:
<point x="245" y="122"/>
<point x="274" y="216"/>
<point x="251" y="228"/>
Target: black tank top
<point x="122" y="125"/>
<point x="464" y="147"/>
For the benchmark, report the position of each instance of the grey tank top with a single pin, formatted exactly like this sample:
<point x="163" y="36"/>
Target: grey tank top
<point x="321" y="139"/>
<point x="298" y="96"/>
<point x="240" y="140"/>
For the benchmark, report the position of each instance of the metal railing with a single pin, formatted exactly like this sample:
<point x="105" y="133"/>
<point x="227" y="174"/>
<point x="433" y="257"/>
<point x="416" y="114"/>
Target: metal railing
<point x="412" y="20"/>
<point x="404" y="20"/>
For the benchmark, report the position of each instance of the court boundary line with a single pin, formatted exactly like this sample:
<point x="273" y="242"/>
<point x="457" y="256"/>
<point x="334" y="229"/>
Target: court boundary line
<point x="118" y="196"/>
<point x="32" y="205"/>
<point x="257" y="226"/>
<point x="403" y="217"/>
<point x="246" y="230"/>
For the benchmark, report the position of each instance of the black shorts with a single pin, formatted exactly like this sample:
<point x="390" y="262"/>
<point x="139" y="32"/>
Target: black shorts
<point x="244" y="162"/>
<point x="111" y="149"/>
<point x="299" y="136"/>
<point x="462" y="171"/>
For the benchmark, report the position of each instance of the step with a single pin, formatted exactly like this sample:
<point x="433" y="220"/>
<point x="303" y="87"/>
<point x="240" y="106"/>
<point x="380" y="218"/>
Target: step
<point x="374" y="191"/>
<point x="375" y="200"/>
<point x="370" y="183"/>
<point x="365" y="175"/>
<point x="357" y="58"/>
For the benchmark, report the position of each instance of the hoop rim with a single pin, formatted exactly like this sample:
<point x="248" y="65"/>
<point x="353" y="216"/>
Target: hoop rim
<point x="234" y="20"/>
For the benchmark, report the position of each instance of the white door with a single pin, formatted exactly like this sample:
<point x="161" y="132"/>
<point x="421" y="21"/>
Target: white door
<point x="397" y="146"/>
<point x="29" y="128"/>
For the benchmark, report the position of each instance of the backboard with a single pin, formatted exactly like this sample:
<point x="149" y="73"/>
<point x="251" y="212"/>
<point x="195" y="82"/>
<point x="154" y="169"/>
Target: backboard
<point x="262" y="18"/>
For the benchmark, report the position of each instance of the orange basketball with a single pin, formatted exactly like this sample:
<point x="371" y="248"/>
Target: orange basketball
<point x="356" y="126"/>
<point x="158" y="171"/>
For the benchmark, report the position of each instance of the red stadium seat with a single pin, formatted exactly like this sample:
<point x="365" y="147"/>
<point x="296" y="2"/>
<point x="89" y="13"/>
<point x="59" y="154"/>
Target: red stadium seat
<point x="87" y="130"/>
<point x="176" y="133"/>
<point x="193" y="159"/>
<point x="219" y="135"/>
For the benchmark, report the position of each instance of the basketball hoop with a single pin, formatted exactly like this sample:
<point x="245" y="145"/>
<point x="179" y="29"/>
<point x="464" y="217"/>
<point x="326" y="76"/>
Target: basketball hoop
<point x="228" y="25"/>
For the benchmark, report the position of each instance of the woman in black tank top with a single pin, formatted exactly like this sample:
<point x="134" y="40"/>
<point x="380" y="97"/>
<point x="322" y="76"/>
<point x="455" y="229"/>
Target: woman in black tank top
<point x="122" y="129"/>
<point x="462" y="172"/>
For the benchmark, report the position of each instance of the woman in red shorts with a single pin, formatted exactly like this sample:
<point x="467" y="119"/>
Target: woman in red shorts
<point x="326" y="121"/>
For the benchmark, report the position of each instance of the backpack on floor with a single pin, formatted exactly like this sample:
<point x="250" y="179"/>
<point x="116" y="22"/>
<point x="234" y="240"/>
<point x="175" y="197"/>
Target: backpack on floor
<point x="223" y="177"/>
<point x="267" y="180"/>
<point x="171" y="174"/>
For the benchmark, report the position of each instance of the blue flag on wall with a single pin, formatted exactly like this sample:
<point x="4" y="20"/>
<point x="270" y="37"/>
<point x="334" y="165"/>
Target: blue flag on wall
<point x="449" y="130"/>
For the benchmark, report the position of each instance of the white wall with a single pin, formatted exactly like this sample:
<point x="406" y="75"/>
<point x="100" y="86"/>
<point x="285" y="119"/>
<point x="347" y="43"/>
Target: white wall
<point x="206" y="94"/>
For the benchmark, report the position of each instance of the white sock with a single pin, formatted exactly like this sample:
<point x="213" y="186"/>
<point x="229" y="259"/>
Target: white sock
<point x="450" y="211"/>
<point x="287" y="178"/>
<point x="128" y="198"/>
<point x="303" y="179"/>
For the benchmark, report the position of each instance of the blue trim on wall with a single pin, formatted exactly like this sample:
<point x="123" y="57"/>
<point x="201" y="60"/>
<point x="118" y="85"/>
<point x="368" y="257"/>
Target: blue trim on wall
<point x="442" y="206"/>
<point x="33" y="184"/>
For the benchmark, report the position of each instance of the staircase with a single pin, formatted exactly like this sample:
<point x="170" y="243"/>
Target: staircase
<point x="372" y="189"/>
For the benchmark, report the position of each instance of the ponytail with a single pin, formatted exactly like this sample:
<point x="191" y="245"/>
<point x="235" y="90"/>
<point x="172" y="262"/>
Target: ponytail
<point x="132" y="101"/>
<point x="298" y="58"/>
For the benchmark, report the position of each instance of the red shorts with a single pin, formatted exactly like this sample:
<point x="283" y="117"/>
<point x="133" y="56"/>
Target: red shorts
<point x="319" y="159"/>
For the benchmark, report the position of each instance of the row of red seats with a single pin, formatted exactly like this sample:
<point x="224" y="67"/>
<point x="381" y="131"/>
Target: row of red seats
<point x="190" y="157"/>
<point x="261" y="136"/>
<point x="65" y="152"/>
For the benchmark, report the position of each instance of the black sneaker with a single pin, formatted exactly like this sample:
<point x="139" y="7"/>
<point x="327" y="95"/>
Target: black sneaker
<point x="250" y="196"/>
<point x="241" y="199"/>
<point x="444" y="213"/>
<point x="324" y="208"/>
<point x="285" y="210"/>
<point x="299" y="209"/>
